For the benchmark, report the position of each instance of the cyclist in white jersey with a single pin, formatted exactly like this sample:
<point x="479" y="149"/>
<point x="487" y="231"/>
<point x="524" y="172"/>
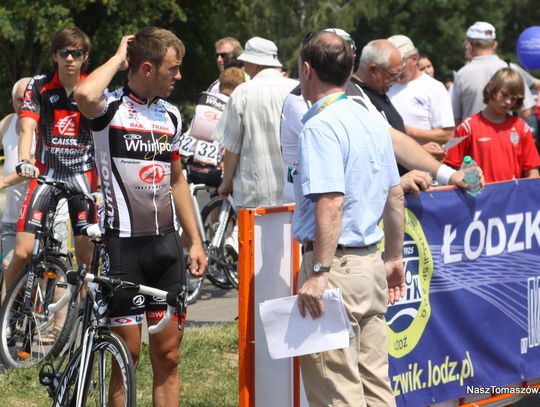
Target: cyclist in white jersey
<point x="136" y="135"/>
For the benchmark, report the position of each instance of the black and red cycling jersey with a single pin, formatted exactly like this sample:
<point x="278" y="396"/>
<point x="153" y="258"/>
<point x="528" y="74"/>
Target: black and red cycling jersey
<point x="63" y="137"/>
<point x="136" y="143"/>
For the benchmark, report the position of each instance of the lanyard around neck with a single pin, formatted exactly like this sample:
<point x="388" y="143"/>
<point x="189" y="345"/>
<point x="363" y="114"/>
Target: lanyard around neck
<point x="332" y="99"/>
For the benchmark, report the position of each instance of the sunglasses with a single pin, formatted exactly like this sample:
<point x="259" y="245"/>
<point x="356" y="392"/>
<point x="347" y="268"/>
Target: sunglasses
<point x="75" y="53"/>
<point x="222" y="54"/>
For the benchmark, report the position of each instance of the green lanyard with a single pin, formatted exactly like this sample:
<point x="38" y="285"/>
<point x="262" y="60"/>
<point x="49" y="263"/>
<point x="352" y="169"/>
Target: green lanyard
<point x="330" y="100"/>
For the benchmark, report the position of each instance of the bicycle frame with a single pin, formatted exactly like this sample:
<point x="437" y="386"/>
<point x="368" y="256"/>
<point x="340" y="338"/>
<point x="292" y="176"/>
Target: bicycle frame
<point x="44" y="242"/>
<point x="194" y="189"/>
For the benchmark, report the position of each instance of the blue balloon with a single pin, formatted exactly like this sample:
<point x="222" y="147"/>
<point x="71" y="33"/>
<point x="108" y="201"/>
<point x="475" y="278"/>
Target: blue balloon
<point x="528" y="48"/>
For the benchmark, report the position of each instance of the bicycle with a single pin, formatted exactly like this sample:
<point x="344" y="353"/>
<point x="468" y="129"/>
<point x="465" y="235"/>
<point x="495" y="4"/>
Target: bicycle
<point x="85" y="379"/>
<point x="30" y="330"/>
<point x="221" y="270"/>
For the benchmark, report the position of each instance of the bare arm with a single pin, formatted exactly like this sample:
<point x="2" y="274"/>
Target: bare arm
<point x="393" y="243"/>
<point x="89" y="93"/>
<point x="412" y="156"/>
<point x="27" y="126"/>
<point x="532" y="173"/>
<point x="328" y="212"/>
<point x="422" y="136"/>
<point x="10" y="180"/>
<point x="230" y="162"/>
<point x="184" y="211"/>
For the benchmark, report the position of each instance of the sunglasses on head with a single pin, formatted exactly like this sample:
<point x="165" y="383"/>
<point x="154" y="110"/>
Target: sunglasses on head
<point x="75" y="53"/>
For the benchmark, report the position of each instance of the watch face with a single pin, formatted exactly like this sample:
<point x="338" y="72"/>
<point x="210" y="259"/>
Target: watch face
<point x="317" y="267"/>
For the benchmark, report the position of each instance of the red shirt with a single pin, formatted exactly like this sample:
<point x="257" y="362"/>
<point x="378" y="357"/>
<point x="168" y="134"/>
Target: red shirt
<point x="504" y="151"/>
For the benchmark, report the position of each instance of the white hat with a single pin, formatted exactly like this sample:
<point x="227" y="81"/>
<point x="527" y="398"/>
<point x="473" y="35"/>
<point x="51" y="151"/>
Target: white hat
<point x="481" y="31"/>
<point x="260" y="51"/>
<point x="404" y="44"/>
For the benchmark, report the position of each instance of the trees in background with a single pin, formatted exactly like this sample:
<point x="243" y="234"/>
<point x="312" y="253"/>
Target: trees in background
<point x="437" y="27"/>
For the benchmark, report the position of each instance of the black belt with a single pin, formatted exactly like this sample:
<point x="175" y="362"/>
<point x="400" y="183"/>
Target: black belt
<point x="308" y="247"/>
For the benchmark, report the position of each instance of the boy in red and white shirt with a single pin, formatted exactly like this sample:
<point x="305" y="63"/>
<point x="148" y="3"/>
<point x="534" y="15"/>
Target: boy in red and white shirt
<point x="501" y="144"/>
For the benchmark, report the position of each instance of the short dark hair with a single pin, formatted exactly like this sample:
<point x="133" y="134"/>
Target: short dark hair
<point x="151" y="44"/>
<point x="511" y="80"/>
<point x="329" y="55"/>
<point x="71" y="36"/>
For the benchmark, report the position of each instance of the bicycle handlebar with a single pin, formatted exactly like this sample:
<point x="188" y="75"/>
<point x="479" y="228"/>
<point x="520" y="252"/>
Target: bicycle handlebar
<point x="174" y="300"/>
<point x="68" y="189"/>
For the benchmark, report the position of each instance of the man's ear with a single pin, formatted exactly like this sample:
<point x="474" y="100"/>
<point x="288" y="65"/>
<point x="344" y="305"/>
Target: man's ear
<point x="372" y="68"/>
<point x="306" y="69"/>
<point x="147" y="68"/>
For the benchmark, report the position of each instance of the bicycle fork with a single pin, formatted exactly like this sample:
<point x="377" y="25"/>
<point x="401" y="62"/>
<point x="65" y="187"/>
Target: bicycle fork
<point x="223" y="218"/>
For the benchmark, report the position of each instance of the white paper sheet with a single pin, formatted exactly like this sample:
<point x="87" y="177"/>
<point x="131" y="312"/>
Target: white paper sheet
<point x="453" y="142"/>
<point x="288" y="334"/>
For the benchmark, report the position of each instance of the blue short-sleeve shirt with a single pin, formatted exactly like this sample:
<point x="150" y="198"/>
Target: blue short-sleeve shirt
<point x="343" y="148"/>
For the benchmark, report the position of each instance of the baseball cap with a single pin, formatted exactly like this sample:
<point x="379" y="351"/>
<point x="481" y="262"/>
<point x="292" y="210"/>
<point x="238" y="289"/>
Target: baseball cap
<point x="260" y="51"/>
<point x="481" y="31"/>
<point x="404" y="44"/>
<point x="343" y="34"/>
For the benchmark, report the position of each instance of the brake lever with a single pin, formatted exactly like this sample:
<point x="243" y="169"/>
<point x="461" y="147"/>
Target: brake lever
<point x="182" y="307"/>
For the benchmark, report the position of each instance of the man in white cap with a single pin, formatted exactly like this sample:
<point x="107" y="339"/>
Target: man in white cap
<point x="422" y="101"/>
<point x="249" y="129"/>
<point x="469" y="81"/>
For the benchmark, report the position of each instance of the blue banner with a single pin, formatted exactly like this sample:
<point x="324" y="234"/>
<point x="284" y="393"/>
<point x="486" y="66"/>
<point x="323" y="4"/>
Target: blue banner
<point x="471" y="315"/>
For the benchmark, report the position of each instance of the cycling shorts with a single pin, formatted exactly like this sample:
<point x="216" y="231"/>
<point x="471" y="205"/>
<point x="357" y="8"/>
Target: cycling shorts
<point x="39" y="196"/>
<point x="156" y="261"/>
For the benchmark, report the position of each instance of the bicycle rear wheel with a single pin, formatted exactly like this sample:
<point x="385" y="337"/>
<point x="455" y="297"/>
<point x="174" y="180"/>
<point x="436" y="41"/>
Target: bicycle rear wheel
<point x="108" y="352"/>
<point x="222" y="270"/>
<point x="33" y="334"/>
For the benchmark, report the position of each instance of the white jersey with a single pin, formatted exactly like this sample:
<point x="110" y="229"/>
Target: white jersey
<point x="136" y="142"/>
<point x="423" y="103"/>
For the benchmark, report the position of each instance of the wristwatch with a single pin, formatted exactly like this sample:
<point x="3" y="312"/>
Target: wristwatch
<point x="319" y="268"/>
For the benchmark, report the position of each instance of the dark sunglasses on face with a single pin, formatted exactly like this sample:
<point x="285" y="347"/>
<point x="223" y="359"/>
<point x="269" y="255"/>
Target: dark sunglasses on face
<point x="75" y="53"/>
<point x="222" y="54"/>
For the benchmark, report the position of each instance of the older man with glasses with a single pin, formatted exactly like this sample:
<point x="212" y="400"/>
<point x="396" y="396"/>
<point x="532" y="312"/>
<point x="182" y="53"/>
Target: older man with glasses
<point x="422" y="101"/>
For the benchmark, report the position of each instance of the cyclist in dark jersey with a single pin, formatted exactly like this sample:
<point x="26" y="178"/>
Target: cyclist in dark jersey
<point x="64" y="148"/>
<point x="137" y="135"/>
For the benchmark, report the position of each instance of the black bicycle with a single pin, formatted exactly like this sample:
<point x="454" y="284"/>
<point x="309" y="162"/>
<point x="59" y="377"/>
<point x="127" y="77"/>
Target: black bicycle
<point x="30" y="330"/>
<point x="82" y="375"/>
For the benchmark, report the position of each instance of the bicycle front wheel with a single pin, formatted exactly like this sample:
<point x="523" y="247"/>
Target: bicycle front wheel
<point x="109" y="353"/>
<point x="221" y="270"/>
<point x="29" y="332"/>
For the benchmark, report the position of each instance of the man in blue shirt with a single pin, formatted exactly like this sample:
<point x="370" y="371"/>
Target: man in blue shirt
<point x="349" y="180"/>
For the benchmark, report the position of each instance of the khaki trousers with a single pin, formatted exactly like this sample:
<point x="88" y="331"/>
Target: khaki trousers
<point x="355" y="376"/>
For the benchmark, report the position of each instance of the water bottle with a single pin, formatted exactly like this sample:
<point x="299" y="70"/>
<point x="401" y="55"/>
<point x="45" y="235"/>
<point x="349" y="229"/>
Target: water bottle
<point x="472" y="176"/>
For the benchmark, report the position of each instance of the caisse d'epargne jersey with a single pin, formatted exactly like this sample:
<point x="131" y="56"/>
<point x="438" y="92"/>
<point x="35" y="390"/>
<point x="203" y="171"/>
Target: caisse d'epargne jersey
<point x="135" y="143"/>
<point x="63" y="138"/>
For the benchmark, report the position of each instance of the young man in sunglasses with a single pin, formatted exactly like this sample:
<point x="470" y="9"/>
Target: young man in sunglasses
<point x="228" y="49"/>
<point x="63" y="148"/>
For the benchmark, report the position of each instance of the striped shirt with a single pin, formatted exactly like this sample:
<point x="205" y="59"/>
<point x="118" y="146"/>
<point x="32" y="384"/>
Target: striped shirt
<point x="249" y="127"/>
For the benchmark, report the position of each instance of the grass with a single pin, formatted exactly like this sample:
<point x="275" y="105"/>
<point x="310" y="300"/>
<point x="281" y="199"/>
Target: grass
<point x="209" y="368"/>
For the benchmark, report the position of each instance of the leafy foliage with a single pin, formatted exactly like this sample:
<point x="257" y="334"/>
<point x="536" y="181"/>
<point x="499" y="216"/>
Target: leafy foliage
<point x="437" y="27"/>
